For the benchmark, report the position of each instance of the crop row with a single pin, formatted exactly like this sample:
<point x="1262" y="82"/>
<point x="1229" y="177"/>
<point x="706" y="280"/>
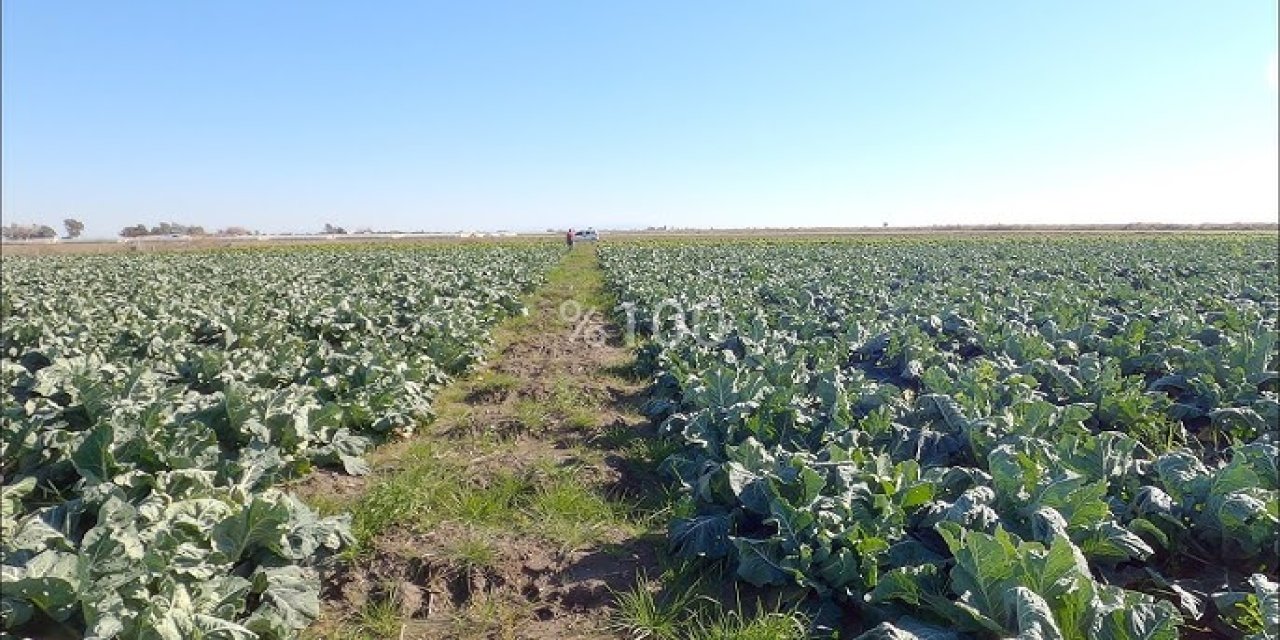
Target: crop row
<point x="1070" y="438"/>
<point x="151" y="403"/>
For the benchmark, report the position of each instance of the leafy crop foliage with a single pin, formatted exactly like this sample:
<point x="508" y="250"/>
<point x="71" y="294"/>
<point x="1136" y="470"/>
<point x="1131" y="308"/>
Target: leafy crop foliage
<point x="1067" y="438"/>
<point x="153" y="402"/>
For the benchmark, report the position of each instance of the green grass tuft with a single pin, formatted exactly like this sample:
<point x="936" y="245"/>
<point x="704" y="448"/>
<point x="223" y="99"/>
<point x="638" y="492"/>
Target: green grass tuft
<point x="531" y="415"/>
<point x="646" y="613"/>
<point x="472" y="554"/>
<point x="734" y="625"/>
<point x="488" y="504"/>
<point x="685" y="607"/>
<point x="570" y="514"/>
<point x="380" y="618"/>
<point x="492" y="384"/>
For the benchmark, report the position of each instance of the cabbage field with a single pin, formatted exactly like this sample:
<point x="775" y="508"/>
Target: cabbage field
<point x="934" y="438"/>
<point x="151" y="402"/>
<point x="1064" y="438"/>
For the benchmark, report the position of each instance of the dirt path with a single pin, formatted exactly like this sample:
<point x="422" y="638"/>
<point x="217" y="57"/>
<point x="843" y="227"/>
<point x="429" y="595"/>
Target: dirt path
<point x="525" y="505"/>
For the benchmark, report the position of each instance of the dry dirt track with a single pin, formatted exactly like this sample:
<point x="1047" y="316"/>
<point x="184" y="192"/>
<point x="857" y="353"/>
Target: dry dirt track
<point x="554" y="412"/>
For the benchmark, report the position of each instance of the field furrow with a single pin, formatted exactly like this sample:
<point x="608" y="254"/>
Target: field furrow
<point x="524" y="506"/>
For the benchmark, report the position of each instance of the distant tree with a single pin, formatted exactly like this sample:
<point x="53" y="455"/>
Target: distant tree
<point x="136" y="231"/>
<point x="164" y="229"/>
<point x="332" y="230"/>
<point x="235" y="231"/>
<point x="74" y="227"/>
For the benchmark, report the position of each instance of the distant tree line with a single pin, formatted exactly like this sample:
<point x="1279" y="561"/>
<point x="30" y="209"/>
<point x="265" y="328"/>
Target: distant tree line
<point x="162" y="229"/>
<point x="74" y="228"/>
<point x="175" y="229"/>
<point x="40" y="231"/>
<point x="27" y="231"/>
<point x="335" y="230"/>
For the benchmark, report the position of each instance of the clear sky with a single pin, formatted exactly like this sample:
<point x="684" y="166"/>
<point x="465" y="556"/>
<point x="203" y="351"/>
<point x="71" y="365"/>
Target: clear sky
<point x="282" y="116"/>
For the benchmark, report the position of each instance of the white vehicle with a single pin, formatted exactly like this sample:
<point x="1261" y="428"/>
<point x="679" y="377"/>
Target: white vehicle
<point x="589" y="235"/>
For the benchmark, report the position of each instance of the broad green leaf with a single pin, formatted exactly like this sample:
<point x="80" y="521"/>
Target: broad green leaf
<point x="290" y="601"/>
<point x="260" y="523"/>
<point x="1134" y="616"/>
<point x="94" y="459"/>
<point x="704" y="535"/>
<point x="760" y="562"/>
<point x="1035" y="619"/>
<point x="49" y="582"/>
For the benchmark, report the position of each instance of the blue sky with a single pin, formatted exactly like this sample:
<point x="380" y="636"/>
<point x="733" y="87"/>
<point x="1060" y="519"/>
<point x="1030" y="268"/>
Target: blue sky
<point x="282" y="116"/>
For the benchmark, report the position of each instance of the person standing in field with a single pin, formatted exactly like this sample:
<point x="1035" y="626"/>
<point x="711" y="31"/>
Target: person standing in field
<point x="568" y="238"/>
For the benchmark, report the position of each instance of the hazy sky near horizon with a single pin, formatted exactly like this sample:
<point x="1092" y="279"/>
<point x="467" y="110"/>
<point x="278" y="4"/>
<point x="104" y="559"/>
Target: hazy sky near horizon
<point x="282" y="116"/>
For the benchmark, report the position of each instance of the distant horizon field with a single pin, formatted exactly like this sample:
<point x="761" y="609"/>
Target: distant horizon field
<point x="149" y="244"/>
